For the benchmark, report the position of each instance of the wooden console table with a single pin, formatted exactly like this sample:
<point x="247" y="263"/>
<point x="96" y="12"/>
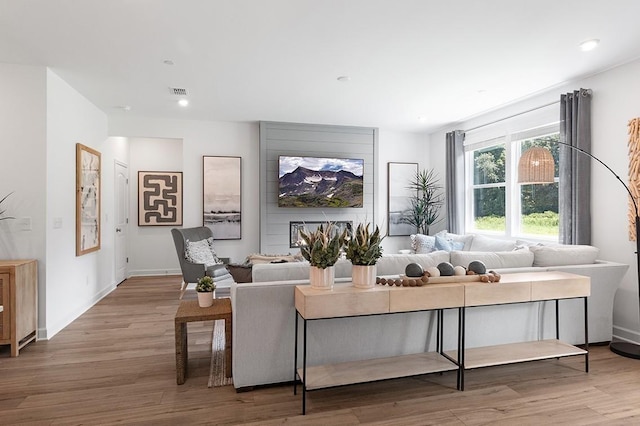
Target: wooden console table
<point x="523" y="288"/>
<point x="347" y="301"/>
<point x="189" y="311"/>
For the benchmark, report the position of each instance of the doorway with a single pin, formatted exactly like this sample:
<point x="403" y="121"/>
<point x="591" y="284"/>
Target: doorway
<point x="121" y="222"/>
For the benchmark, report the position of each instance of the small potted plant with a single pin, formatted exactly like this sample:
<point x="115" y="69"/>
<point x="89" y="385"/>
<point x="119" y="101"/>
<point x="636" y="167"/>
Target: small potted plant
<point x="363" y="249"/>
<point x="205" y="288"/>
<point x="322" y="249"/>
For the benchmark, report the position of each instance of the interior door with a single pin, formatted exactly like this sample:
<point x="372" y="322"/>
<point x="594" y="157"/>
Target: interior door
<point x="121" y="221"/>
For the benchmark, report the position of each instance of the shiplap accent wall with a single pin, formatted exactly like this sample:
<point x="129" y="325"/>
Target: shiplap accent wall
<point x="310" y="140"/>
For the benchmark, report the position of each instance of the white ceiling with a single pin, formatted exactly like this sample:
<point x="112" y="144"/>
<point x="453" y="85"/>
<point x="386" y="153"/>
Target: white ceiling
<point x="250" y="60"/>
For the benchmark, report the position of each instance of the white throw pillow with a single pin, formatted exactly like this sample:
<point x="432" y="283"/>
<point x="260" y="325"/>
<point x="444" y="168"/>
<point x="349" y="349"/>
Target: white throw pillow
<point x="482" y="243"/>
<point x="466" y="239"/>
<point x="201" y="252"/>
<point x="494" y="260"/>
<point x="564" y="255"/>
<point x="421" y="243"/>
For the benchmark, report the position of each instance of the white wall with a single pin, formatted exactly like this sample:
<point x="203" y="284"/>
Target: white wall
<point x="150" y="248"/>
<point x="198" y="138"/>
<point x="400" y="148"/>
<point x="23" y="124"/>
<point x="616" y="100"/>
<point x="74" y="284"/>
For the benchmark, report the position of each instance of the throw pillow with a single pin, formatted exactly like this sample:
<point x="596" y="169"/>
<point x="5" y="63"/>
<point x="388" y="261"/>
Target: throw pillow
<point x="466" y="239"/>
<point x="200" y="252"/>
<point x="421" y="243"/>
<point x="447" y="245"/>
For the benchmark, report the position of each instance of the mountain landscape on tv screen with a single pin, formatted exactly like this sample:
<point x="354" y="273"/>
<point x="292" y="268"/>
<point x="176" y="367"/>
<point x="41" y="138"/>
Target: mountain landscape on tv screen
<point x="320" y="188"/>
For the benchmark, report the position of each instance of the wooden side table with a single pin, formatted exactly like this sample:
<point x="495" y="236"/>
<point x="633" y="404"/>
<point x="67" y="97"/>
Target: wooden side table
<point x="189" y="311"/>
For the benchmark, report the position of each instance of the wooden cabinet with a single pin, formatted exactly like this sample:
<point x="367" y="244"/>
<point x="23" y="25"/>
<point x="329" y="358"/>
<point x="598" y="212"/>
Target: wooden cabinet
<point x="18" y="303"/>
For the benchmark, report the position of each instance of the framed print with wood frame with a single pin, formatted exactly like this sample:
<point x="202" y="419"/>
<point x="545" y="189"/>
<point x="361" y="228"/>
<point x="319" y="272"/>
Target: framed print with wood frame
<point x="399" y="177"/>
<point x="88" y="202"/>
<point x="222" y="208"/>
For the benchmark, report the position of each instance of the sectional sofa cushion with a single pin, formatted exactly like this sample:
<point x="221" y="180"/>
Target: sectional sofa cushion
<point x="494" y="260"/>
<point x="558" y="255"/>
<point x="394" y="264"/>
<point x="482" y="243"/>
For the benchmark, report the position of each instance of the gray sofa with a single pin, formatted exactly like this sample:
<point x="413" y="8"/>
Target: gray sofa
<point x="264" y="313"/>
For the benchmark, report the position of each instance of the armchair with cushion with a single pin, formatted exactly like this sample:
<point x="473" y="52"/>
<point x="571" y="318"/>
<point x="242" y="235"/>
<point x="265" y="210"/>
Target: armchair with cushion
<point x="197" y="257"/>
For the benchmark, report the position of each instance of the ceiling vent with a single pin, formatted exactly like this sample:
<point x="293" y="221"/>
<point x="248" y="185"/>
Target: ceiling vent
<point x="178" y="91"/>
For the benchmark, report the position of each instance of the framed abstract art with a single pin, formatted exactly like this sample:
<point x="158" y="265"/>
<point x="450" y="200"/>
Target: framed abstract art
<point x="87" y="200"/>
<point x="159" y="198"/>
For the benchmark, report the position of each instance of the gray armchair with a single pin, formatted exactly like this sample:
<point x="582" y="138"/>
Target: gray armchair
<point x="192" y="271"/>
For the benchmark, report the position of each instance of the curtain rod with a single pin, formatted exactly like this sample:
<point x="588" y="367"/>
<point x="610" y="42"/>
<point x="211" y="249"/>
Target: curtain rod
<point x="511" y="116"/>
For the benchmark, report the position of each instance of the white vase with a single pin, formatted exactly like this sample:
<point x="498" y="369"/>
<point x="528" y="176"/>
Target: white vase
<point x="321" y="278"/>
<point x="363" y="276"/>
<point x="205" y="299"/>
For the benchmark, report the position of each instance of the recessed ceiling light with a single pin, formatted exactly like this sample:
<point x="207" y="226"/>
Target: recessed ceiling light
<point x="422" y="118"/>
<point x="344" y="78"/>
<point x="588" y="45"/>
<point x="183" y="102"/>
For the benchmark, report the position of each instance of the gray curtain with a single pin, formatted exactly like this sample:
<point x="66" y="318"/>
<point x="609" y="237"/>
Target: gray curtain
<point x="574" y="191"/>
<point x="455" y="181"/>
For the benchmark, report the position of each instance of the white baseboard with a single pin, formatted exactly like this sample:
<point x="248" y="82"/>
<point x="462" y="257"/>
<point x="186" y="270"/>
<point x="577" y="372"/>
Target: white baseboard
<point x="154" y="272"/>
<point x="625" y="334"/>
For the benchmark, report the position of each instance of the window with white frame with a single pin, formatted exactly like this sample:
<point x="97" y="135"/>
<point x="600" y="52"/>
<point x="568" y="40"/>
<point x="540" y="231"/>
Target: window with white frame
<point x="496" y="203"/>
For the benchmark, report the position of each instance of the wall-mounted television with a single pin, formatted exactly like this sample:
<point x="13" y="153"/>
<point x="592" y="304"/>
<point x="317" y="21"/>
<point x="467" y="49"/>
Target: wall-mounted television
<point x="320" y="182"/>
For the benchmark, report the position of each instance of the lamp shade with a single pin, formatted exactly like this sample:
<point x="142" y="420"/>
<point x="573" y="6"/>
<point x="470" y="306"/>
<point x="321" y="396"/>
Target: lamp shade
<point x="536" y="166"/>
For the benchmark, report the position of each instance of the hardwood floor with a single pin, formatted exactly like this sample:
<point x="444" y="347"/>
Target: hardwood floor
<point x="116" y="364"/>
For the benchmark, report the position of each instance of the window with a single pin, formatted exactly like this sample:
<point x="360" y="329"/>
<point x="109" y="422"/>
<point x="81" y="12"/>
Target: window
<point x="496" y="203"/>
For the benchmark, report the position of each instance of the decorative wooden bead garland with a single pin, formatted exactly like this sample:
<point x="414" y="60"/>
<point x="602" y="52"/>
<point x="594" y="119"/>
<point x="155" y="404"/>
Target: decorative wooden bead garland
<point x="490" y="277"/>
<point x="634" y="172"/>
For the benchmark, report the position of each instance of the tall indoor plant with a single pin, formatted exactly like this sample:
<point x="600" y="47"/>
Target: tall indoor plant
<point x="322" y="249"/>
<point x="427" y="201"/>
<point x="363" y="249"/>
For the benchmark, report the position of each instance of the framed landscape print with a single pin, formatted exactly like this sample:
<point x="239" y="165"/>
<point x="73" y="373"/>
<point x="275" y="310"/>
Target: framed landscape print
<point x="87" y="200"/>
<point x="222" y="210"/>
<point x="159" y="198"/>
<point x="399" y="197"/>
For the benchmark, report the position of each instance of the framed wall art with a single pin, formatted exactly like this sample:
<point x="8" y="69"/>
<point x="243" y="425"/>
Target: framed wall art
<point x="399" y="197"/>
<point x="87" y="200"/>
<point x="159" y="198"/>
<point x="222" y="209"/>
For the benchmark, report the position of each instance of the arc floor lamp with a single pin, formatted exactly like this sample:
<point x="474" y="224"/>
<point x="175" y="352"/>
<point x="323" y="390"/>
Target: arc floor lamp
<point x="536" y="165"/>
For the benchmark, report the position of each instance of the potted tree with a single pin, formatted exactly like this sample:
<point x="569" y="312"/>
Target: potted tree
<point x="363" y="249"/>
<point x="426" y="203"/>
<point x="322" y="249"/>
<point x="205" y="288"/>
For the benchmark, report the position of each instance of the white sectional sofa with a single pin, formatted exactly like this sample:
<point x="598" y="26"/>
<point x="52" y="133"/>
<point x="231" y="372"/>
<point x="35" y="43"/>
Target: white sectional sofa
<point x="264" y="313"/>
